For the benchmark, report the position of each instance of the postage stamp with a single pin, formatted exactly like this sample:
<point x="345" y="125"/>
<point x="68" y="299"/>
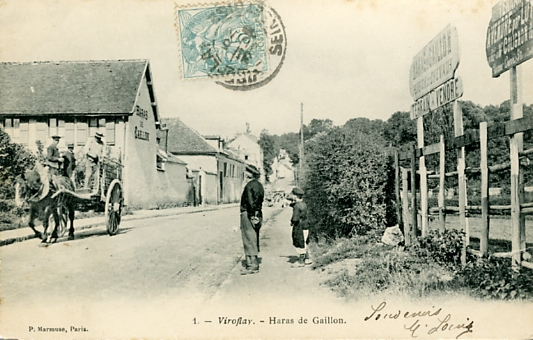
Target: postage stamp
<point x="221" y="40"/>
<point x="276" y="40"/>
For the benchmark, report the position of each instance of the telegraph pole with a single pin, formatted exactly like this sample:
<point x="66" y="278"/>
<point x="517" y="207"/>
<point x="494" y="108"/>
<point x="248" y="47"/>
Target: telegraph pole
<point x="301" y="143"/>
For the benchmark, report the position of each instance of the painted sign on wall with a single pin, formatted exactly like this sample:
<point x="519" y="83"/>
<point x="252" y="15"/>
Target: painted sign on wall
<point x="435" y="64"/>
<point x="509" y="35"/>
<point x="138" y="130"/>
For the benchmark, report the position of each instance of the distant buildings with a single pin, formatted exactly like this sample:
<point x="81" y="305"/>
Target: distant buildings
<point x="245" y="146"/>
<point x="218" y="172"/>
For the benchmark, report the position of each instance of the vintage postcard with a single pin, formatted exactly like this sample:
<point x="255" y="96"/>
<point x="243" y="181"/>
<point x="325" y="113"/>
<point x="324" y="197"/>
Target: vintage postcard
<point x="175" y="169"/>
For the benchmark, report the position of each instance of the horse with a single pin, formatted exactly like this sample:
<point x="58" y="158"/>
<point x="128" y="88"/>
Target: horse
<point x="37" y="187"/>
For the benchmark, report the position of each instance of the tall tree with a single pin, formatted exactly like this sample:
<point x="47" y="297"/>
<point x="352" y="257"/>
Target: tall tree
<point x="317" y="126"/>
<point x="400" y="129"/>
<point x="270" y="147"/>
<point x="366" y="126"/>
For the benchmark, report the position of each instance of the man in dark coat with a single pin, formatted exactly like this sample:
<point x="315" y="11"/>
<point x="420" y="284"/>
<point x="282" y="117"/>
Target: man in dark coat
<point x="52" y="156"/>
<point x="251" y="219"/>
<point x="69" y="163"/>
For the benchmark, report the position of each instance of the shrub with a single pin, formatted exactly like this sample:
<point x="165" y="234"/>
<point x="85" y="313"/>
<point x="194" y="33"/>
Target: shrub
<point x="494" y="278"/>
<point x="345" y="183"/>
<point x="14" y="160"/>
<point x="444" y="248"/>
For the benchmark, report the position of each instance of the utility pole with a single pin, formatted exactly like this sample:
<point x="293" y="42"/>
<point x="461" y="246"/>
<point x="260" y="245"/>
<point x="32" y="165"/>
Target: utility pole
<point x="301" y="143"/>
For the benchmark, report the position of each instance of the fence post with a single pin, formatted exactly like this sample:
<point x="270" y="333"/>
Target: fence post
<point x="442" y="174"/>
<point x="397" y="187"/>
<point x="414" y="227"/>
<point x="458" y="127"/>
<point x="516" y="146"/>
<point x="405" y="207"/>
<point x="423" y="178"/>
<point x="485" y="220"/>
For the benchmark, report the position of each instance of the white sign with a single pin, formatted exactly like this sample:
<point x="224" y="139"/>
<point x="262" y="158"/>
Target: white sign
<point x="435" y="63"/>
<point x="447" y="92"/>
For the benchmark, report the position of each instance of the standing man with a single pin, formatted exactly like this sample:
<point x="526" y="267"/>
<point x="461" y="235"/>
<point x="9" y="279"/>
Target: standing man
<point x="94" y="151"/>
<point x="53" y="158"/>
<point x="69" y="161"/>
<point x="251" y="219"/>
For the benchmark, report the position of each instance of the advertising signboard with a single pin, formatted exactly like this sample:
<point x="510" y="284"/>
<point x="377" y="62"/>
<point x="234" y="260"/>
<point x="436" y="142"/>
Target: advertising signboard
<point x="435" y="64"/>
<point x="509" y="35"/>
<point x="447" y="92"/>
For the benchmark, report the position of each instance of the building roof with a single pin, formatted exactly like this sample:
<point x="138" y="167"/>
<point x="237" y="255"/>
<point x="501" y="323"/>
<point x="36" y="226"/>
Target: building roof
<point x="245" y="135"/>
<point x="182" y="140"/>
<point x="73" y="87"/>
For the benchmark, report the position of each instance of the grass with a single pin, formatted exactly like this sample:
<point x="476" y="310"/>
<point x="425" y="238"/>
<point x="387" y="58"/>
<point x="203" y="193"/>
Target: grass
<point x="381" y="269"/>
<point x="356" y="268"/>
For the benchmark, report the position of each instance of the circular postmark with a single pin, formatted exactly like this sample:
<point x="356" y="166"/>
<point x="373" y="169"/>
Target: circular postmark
<point x="276" y="39"/>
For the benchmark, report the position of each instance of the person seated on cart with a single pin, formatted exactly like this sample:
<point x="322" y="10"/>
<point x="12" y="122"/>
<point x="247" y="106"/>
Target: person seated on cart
<point x="53" y="158"/>
<point x="94" y="151"/>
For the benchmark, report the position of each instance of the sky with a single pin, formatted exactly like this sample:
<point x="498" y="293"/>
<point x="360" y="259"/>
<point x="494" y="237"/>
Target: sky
<point x="344" y="59"/>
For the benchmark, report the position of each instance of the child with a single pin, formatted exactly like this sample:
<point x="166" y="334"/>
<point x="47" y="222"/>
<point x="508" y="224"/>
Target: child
<point x="300" y="229"/>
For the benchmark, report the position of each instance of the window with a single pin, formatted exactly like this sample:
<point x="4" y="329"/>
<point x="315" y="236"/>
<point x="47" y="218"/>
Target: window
<point x="52" y="123"/>
<point x="9" y="127"/>
<point x="81" y="129"/>
<point x="16" y="130"/>
<point x="105" y="126"/>
<point x="41" y="132"/>
<point x="225" y="169"/>
<point x="69" y="132"/>
<point x="110" y="132"/>
<point x="93" y="126"/>
<point x="24" y="137"/>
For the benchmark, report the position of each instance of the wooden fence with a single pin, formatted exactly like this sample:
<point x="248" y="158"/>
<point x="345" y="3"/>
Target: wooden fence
<point x="406" y="178"/>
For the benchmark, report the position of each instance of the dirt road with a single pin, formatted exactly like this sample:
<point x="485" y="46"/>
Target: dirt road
<point x="178" y="277"/>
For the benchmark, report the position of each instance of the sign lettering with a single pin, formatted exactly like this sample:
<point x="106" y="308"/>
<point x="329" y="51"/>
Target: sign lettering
<point x="139" y="111"/>
<point x="140" y="134"/>
<point x="435" y="63"/>
<point x="447" y="92"/>
<point x="509" y="35"/>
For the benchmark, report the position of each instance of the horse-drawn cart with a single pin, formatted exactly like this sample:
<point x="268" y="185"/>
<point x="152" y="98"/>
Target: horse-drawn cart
<point x="106" y="192"/>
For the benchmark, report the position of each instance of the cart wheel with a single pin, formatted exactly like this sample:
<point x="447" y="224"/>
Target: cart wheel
<point x="113" y="206"/>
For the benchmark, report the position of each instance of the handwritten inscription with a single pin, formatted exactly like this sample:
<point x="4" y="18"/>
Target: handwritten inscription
<point x="431" y="321"/>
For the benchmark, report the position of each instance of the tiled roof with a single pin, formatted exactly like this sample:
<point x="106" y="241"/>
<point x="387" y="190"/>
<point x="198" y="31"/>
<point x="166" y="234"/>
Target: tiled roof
<point x="182" y="140"/>
<point x="70" y="87"/>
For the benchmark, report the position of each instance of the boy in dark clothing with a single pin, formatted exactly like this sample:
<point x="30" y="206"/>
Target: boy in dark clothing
<point x="300" y="228"/>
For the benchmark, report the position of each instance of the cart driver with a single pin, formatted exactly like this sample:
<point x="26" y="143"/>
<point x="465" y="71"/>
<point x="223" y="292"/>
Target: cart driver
<point x="94" y="151"/>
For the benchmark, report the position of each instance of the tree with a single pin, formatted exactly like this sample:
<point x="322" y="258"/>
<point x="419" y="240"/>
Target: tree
<point x="366" y="126"/>
<point x="400" y="129"/>
<point x="346" y="181"/>
<point x="270" y="147"/>
<point x="316" y="126"/>
<point x="290" y="142"/>
<point x="14" y="160"/>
